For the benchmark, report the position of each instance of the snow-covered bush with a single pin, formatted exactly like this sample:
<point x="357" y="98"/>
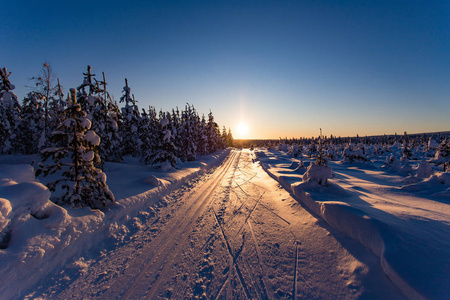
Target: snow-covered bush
<point x="350" y="155"/>
<point x="317" y="173"/>
<point x="424" y="169"/>
<point x="282" y="147"/>
<point x="442" y="156"/>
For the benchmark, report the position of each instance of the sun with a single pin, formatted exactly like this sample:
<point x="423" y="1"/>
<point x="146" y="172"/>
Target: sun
<point x="242" y="130"/>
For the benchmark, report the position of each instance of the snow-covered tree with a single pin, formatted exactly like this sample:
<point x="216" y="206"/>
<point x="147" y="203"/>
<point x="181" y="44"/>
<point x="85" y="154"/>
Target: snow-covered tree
<point x="424" y="169"/>
<point x="9" y="111"/>
<point x="188" y="135"/>
<point x="82" y="181"/>
<point x="164" y="153"/>
<point x="201" y="136"/>
<point x="31" y="125"/>
<point x="230" y="139"/>
<point x="350" y="155"/>
<point x="45" y="84"/>
<point x="213" y="134"/>
<point x="105" y="118"/>
<point x="130" y="123"/>
<point x="321" y="160"/>
<point x="56" y="108"/>
<point x="149" y="134"/>
<point x="86" y="91"/>
<point x="406" y="151"/>
<point x="442" y="156"/>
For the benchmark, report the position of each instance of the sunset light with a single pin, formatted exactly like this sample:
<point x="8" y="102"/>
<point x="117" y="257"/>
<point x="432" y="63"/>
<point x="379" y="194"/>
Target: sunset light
<point x="225" y="149"/>
<point x="242" y="131"/>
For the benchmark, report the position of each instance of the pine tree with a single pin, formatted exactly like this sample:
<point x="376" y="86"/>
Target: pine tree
<point x="56" y="108"/>
<point x="406" y="152"/>
<point x="85" y="98"/>
<point x="188" y="135"/>
<point x="9" y="112"/>
<point x="201" y="136"/>
<point x="212" y="134"/>
<point x="31" y="124"/>
<point x="230" y="140"/>
<point x="82" y="182"/>
<point x="130" y="122"/>
<point x="321" y="161"/>
<point x="443" y="154"/>
<point x="45" y="86"/>
<point x="105" y="122"/>
<point x="164" y="153"/>
<point x="150" y="134"/>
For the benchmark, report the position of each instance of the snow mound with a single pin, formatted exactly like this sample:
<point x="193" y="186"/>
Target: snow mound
<point x="166" y="166"/>
<point x="153" y="180"/>
<point x="424" y="170"/>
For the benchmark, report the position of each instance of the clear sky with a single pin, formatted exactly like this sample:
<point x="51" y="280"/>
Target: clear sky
<point x="284" y="68"/>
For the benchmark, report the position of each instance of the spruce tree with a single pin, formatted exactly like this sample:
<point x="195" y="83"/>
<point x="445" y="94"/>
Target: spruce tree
<point x="212" y="133"/>
<point x="202" y="136"/>
<point x="188" y="135"/>
<point x="9" y="112"/>
<point x="105" y="117"/>
<point x="81" y="181"/>
<point x="230" y="139"/>
<point x="31" y="125"/>
<point x="164" y="153"/>
<point x="56" y="108"/>
<point x="443" y="154"/>
<point x="149" y="134"/>
<point x="130" y="123"/>
<point x="45" y="84"/>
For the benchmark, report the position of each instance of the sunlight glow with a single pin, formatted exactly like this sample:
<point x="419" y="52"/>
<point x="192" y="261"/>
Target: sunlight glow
<point x="242" y="130"/>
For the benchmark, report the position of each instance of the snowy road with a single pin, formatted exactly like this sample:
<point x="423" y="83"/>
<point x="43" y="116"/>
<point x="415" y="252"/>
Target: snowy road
<point x="234" y="233"/>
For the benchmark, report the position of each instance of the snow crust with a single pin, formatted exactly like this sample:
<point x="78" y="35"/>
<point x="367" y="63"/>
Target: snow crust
<point x="37" y="236"/>
<point x="402" y="214"/>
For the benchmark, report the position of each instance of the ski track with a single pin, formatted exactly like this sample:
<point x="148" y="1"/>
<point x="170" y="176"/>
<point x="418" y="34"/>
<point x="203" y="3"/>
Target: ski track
<point x="235" y="234"/>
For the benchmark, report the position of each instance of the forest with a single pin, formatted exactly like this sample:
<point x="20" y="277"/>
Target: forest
<point x="77" y="133"/>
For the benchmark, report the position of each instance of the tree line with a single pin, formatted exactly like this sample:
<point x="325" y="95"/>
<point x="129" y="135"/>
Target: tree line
<point x="76" y="133"/>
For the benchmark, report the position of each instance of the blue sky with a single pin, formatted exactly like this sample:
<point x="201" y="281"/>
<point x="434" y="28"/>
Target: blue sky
<point x="286" y="68"/>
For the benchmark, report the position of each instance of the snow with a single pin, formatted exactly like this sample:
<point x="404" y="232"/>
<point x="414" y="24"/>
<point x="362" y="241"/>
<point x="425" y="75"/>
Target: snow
<point x="164" y="122"/>
<point x="92" y="138"/>
<point x="407" y="225"/>
<point x="88" y="156"/>
<point x="233" y="233"/>
<point x="85" y="123"/>
<point x="402" y="218"/>
<point x="37" y="236"/>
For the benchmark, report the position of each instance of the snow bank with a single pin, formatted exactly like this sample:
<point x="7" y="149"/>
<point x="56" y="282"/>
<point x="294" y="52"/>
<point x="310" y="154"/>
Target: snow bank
<point x="37" y="236"/>
<point x="409" y="234"/>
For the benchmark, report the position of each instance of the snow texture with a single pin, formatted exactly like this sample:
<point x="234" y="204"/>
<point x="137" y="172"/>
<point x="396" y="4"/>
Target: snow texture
<point x="405" y="224"/>
<point x="37" y="236"/>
